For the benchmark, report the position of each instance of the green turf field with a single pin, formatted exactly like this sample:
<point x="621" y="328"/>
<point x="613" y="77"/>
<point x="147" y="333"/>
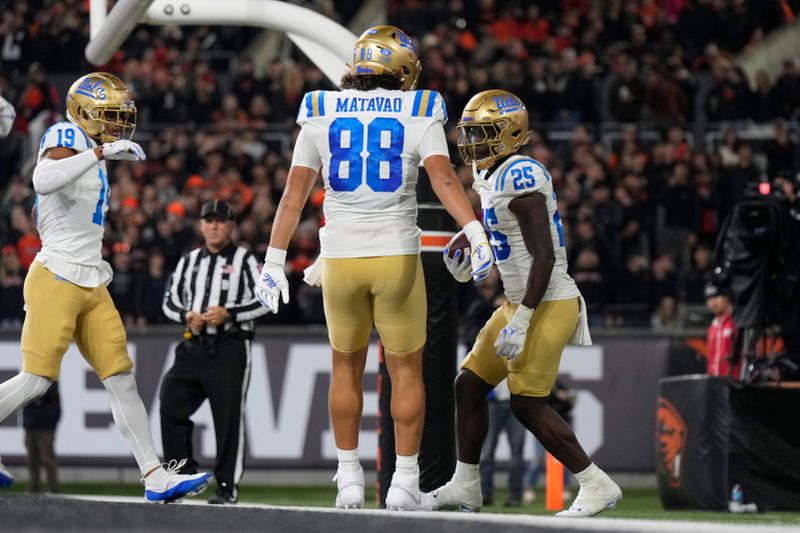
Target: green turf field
<point x="638" y="503"/>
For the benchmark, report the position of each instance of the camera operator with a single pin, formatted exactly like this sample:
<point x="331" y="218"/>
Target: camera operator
<point x="790" y="331"/>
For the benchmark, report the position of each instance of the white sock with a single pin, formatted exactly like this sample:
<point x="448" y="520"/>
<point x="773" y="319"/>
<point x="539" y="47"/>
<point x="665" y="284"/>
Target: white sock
<point x="466" y="472"/>
<point x="348" y="460"/>
<point x="590" y="474"/>
<point x="19" y="391"/>
<point x="407" y="469"/>
<point x="131" y="419"/>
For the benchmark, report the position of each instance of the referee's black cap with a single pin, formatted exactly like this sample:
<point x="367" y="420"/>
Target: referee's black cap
<point x="216" y="208"/>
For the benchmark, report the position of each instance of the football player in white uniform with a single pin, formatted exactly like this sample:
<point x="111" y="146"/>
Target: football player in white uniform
<point x="368" y="141"/>
<point x="65" y="290"/>
<point x="525" y="336"/>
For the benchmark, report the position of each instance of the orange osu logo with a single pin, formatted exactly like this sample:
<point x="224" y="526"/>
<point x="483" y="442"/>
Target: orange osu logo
<point x="671" y="436"/>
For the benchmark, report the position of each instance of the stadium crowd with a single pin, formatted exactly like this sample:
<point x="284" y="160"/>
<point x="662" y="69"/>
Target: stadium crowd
<point x="640" y="214"/>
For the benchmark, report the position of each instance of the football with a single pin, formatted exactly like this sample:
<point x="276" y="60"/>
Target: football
<point x="458" y="242"/>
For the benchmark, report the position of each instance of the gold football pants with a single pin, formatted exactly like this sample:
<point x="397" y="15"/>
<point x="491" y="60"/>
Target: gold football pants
<point x="58" y="311"/>
<point x="387" y="291"/>
<point x="533" y="372"/>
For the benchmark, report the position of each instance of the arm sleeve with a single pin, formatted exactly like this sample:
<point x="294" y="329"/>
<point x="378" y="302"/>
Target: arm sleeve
<point x="249" y="308"/>
<point x="173" y="306"/>
<point x="51" y="176"/>
<point x="305" y="152"/>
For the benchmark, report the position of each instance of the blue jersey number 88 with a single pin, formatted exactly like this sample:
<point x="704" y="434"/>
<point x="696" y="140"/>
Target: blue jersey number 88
<point x="376" y="154"/>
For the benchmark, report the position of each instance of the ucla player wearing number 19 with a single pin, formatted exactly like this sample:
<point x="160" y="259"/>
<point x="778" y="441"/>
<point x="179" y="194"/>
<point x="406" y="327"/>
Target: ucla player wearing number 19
<point x="368" y="141"/>
<point x="525" y="336"/>
<point x="65" y="290"/>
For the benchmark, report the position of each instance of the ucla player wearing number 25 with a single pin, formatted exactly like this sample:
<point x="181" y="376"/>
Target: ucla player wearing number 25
<point x="368" y="141"/>
<point x="65" y="290"/>
<point x="543" y="311"/>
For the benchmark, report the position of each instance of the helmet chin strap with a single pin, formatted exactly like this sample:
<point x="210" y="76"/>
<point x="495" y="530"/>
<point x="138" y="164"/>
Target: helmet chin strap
<point x="479" y="180"/>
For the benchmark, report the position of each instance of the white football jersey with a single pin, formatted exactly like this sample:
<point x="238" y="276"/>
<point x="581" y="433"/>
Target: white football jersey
<point x="369" y="145"/>
<point x="518" y="176"/>
<point x="71" y="221"/>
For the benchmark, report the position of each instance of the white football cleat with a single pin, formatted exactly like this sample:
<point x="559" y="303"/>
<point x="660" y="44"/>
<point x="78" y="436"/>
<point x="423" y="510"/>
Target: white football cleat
<point x="351" y="489"/>
<point x="593" y="499"/>
<point x="6" y="479"/>
<point x="166" y="485"/>
<point x="464" y="495"/>
<point x="402" y="497"/>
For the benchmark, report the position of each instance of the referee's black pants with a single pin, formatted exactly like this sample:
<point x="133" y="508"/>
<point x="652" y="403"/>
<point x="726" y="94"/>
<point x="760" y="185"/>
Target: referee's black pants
<point x="221" y="373"/>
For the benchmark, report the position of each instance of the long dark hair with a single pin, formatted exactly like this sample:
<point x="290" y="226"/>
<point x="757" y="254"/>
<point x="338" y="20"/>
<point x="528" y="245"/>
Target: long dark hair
<point x="371" y="81"/>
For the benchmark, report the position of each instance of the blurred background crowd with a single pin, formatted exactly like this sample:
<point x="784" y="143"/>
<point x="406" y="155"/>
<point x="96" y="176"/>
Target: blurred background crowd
<point x="649" y="126"/>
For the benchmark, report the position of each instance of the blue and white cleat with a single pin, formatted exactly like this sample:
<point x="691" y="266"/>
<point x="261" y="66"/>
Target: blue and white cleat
<point x="166" y="485"/>
<point x="6" y="479"/>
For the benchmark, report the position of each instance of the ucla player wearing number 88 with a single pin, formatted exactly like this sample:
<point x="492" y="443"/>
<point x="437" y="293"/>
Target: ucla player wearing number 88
<point x="65" y="290"/>
<point x="543" y="311"/>
<point x="368" y="141"/>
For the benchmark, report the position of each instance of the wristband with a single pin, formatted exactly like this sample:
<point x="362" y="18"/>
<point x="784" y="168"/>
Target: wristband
<point x="475" y="233"/>
<point x="275" y="256"/>
<point x="523" y="316"/>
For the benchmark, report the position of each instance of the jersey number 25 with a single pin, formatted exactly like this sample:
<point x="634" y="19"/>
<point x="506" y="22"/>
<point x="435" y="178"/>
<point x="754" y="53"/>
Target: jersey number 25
<point x="384" y="147"/>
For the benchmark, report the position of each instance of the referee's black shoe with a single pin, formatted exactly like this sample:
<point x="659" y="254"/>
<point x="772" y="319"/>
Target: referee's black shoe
<point x="223" y="497"/>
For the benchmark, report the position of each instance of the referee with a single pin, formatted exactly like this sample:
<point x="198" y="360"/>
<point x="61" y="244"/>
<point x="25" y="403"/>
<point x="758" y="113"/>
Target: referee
<point x="211" y="293"/>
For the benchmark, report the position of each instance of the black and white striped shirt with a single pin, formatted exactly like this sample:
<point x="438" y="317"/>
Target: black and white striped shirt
<point x="203" y="279"/>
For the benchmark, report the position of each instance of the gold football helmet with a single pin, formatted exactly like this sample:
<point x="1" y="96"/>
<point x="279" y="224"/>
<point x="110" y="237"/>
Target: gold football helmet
<point x="100" y="104"/>
<point x="387" y="50"/>
<point x="494" y="125"/>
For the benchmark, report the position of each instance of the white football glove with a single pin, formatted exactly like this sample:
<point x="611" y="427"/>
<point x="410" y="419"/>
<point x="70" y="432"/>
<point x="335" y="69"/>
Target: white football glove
<point x="272" y="281"/>
<point x="481" y="257"/>
<point x="511" y="341"/>
<point x="123" y="150"/>
<point x="459" y="267"/>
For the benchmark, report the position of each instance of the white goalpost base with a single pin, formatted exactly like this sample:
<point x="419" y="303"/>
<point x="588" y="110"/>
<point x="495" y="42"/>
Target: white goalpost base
<point x="328" y="44"/>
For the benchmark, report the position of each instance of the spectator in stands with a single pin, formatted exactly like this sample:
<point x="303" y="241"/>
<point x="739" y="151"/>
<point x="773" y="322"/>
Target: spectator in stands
<point x="11" y="278"/>
<point x="28" y="242"/>
<point x="18" y="194"/>
<point x="729" y="96"/>
<point x="783" y="155"/>
<point x="149" y="289"/>
<point x="627" y="93"/>
<point x="589" y="279"/>
<point x="762" y="103"/>
<point x="678" y="215"/>
<point x="729" y="149"/>
<point x="39" y="95"/>
<point x="122" y="286"/>
<point x="502" y="420"/>
<point x="736" y="180"/>
<point x="633" y="293"/>
<point x="665" y="97"/>
<point x="562" y="400"/>
<point x="721" y="334"/>
<point x="698" y="276"/>
<point x="40" y="418"/>
<point x="787" y="90"/>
